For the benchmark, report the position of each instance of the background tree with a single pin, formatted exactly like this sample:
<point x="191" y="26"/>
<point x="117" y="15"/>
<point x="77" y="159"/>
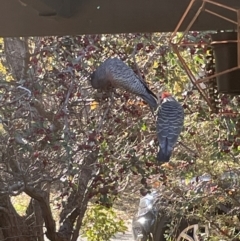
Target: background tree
<point x="63" y="143"/>
<point x="55" y="132"/>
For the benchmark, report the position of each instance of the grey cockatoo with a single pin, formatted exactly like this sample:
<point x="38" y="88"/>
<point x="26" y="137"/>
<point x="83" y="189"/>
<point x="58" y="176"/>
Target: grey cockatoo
<point x="169" y="124"/>
<point x="114" y="73"/>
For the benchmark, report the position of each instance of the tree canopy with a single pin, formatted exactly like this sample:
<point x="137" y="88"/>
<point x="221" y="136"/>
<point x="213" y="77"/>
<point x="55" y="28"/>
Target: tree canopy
<point x="61" y="137"/>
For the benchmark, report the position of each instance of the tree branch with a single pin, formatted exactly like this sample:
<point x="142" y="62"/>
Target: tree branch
<point x="42" y="199"/>
<point x="17" y="55"/>
<point x="77" y="201"/>
<point x="48" y="115"/>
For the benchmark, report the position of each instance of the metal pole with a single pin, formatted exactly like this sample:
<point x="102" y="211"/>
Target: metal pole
<point x="220" y="16"/>
<point x="182" y="19"/>
<point x="221" y="5"/>
<point x="238" y="31"/>
<point x="215" y="75"/>
<point x="192" y="21"/>
<point x="191" y="76"/>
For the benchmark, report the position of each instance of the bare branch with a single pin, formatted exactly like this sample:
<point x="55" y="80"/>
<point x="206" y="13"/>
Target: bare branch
<point x="29" y="92"/>
<point x="17" y="54"/>
<point x="48" y="115"/>
<point x="42" y="199"/>
<point x="189" y="149"/>
<point x="135" y="63"/>
<point x="103" y="118"/>
<point x="77" y="201"/>
<point x="4" y="210"/>
<point x="125" y="185"/>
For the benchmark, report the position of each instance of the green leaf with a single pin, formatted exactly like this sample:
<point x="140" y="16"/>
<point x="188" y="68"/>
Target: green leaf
<point x="104" y="224"/>
<point x="144" y="127"/>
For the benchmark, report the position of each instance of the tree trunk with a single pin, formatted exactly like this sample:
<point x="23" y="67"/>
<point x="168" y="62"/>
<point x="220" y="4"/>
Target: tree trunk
<point x="34" y="220"/>
<point x="17" y="54"/>
<point x="12" y="225"/>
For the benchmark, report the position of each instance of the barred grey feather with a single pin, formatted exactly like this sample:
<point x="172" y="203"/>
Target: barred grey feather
<point x="170" y="119"/>
<point x="115" y="73"/>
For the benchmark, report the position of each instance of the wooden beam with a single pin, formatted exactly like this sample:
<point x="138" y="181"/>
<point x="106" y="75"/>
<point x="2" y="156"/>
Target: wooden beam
<point x="72" y="17"/>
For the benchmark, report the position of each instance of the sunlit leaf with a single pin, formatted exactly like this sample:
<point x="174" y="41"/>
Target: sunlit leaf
<point x="94" y="105"/>
<point x="155" y="64"/>
<point x="144" y="127"/>
<point x="2" y="69"/>
<point x="1" y="128"/>
<point x="177" y="88"/>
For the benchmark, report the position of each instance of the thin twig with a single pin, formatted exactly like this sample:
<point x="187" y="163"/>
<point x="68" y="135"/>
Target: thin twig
<point x="124" y="187"/>
<point x="65" y="108"/>
<point x="103" y="118"/>
<point x="13" y="101"/>
<point x="189" y="149"/>
<point x="23" y="88"/>
<point x="136" y="65"/>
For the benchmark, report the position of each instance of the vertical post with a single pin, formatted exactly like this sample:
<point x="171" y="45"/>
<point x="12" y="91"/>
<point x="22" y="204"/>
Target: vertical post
<point x="193" y="20"/>
<point x="182" y="19"/>
<point x="238" y="33"/>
